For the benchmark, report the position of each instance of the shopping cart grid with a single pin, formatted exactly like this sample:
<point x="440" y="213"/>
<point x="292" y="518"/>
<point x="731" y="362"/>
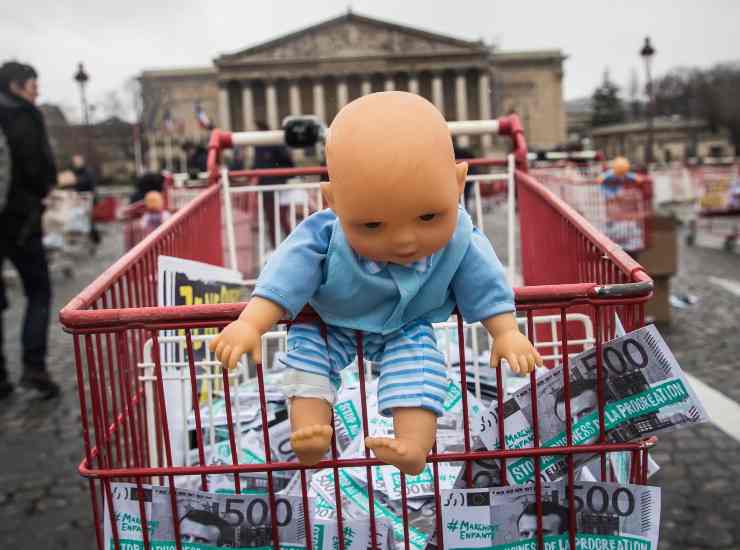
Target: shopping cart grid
<point x="568" y="267"/>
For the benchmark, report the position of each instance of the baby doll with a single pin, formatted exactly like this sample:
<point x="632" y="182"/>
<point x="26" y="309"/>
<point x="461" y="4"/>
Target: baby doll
<point x="155" y="213"/>
<point x="613" y="180"/>
<point x="393" y="254"/>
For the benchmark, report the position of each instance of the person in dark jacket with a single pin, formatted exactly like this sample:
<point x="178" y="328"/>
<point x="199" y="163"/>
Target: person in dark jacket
<point x="196" y="158"/>
<point x="462" y="153"/>
<point x="33" y="174"/>
<point x="85" y="179"/>
<point x="149" y="181"/>
<point x="271" y="156"/>
<point x="86" y="182"/>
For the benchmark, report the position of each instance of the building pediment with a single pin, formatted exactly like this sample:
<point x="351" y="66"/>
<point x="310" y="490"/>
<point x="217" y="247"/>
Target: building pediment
<point x="351" y="36"/>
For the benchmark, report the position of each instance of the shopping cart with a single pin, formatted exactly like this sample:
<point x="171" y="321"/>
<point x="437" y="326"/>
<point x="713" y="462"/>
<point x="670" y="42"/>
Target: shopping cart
<point x="717" y="217"/>
<point x="588" y="164"/>
<point x="66" y="224"/>
<point x="623" y="215"/>
<point x="134" y="406"/>
<point x="257" y="217"/>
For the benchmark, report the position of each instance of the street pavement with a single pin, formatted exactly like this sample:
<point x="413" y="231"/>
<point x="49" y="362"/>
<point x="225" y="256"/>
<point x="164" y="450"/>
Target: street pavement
<point x="44" y="503"/>
<point x="700" y="467"/>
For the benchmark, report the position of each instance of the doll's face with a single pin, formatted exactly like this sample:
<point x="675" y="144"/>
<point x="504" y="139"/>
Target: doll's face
<point x="394" y="184"/>
<point x="398" y="222"/>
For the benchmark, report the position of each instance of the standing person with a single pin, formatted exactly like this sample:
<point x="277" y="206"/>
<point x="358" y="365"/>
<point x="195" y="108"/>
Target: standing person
<point x="32" y="174"/>
<point x="271" y="156"/>
<point x="462" y="153"/>
<point x="86" y="182"/>
<point x="196" y="158"/>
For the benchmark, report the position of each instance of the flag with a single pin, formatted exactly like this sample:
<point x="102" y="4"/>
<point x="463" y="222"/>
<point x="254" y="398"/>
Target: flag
<point x="168" y="122"/>
<point x="202" y="117"/>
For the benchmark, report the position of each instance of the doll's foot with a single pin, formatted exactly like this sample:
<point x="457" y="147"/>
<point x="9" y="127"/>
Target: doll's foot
<point x="311" y="443"/>
<point x="405" y="455"/>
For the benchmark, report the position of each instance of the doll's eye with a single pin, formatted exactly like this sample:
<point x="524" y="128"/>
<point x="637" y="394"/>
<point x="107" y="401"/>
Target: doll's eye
<point x="372" y="225"/>
<point x="427" y="217"/>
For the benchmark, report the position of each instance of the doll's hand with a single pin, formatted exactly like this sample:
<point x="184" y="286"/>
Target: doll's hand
<point x="518" y="351"/>
<point x="239" y="337"/>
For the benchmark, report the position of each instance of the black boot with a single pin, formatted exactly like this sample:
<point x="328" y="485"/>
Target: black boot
<point x="6" y="388"/>
<point x="41" y="382"/>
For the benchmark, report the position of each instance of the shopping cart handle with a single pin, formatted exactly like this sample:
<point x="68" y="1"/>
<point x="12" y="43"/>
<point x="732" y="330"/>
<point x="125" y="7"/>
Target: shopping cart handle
<point x="624" y="290"/>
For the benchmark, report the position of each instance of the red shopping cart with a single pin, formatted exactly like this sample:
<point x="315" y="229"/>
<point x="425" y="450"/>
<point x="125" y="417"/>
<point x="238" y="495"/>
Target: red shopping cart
<point x="623" y="215"/>
<point x="576" y="283"/>
<point x="257" y="217"/>
<point x="717" y="218"/>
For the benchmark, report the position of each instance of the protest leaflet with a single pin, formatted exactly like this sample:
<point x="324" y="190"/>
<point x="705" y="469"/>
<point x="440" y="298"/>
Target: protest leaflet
<point x="607" y="515"/>
<point x="208" y="520"/>
<point x="645" y="393"/>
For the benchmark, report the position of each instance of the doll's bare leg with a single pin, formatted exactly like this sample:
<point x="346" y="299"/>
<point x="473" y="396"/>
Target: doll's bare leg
<point x="310" y="424"/>
<point x="415" y="431"/>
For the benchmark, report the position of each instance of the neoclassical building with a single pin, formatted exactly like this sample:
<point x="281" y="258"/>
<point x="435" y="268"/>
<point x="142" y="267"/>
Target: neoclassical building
<point x="319" y="69"/>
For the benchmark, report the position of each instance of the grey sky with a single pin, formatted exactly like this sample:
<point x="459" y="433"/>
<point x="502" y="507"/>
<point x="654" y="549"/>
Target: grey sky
<point x="116" y="40"/>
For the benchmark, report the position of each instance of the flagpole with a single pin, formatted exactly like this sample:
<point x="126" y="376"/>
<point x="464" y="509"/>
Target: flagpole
<point x="168" y="144"/>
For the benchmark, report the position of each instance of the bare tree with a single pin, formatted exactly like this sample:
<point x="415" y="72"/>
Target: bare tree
<point x="154" y="100"/>
<point x="634" y="95"/>
<point x="112" y="106"/>
<point x="607" y="105"/>
<point x="707" y="93"/>
<point x="133" y="92"/>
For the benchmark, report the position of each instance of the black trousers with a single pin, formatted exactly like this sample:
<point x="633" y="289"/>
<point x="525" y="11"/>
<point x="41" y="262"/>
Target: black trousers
<point x="29" y="259"/>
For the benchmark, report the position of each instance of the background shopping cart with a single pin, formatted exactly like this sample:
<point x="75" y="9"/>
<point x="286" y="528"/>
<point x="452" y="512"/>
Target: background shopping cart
<point x="623" y="216"/>
<point x="66" y="224"/>
<point x="576" y="280"/>
<point x="717" y="217"/>
<point x="257" y="217"/>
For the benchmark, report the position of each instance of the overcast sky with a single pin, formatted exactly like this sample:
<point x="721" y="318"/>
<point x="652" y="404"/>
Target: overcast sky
<point x="116" y="40"/>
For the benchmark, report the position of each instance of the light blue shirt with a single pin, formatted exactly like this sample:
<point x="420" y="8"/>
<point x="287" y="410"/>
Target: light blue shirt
<point x="316" y="265"/>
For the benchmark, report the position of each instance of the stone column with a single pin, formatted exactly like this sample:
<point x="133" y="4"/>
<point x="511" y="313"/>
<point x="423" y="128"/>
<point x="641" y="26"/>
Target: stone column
<point x="224" y="114"/>
<point x="414" y="83"/>
<point x="152" y="151"/>
<point x="484" y="95"/>
<point x="366" y="87"/>
<point x="390" y="83"/>
<point x="295" y="98"/>
<point x="342" y="93"/>
<point x="248" y="106"/>
<point x="318" y="100"/>
<point x="272" y="106"/>
<point x="438" y="97"/>
<point x="461" y="104"/>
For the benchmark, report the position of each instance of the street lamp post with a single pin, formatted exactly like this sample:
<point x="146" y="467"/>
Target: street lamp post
<point x="647" y="52"/>
<point x="81" y="77"/>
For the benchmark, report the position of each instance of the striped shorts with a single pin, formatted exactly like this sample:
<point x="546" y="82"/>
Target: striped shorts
<point x="412" y="369"/>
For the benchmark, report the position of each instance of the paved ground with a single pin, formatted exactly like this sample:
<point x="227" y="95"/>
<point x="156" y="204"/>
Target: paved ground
<point x="43" y="502"/>
<point x="700" y="474"/>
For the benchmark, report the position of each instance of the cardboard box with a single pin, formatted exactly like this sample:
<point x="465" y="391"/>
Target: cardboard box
<point x="658" y="308"/>
<point x="661" y="258"/>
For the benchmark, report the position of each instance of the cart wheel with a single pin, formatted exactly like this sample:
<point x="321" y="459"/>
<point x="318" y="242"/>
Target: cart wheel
<point x="691" y="234"/>
<point x="730" y="242"/>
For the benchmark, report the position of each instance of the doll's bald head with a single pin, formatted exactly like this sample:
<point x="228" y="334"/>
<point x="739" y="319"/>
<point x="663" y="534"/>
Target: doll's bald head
<point x="395" y="134"/>
<point x="391" y="162"/>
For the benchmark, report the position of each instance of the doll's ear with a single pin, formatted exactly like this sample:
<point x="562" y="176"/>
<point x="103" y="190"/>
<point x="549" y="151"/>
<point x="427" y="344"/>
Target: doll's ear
<point x="461" y="172"/>
<point x="327" y="193"/>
